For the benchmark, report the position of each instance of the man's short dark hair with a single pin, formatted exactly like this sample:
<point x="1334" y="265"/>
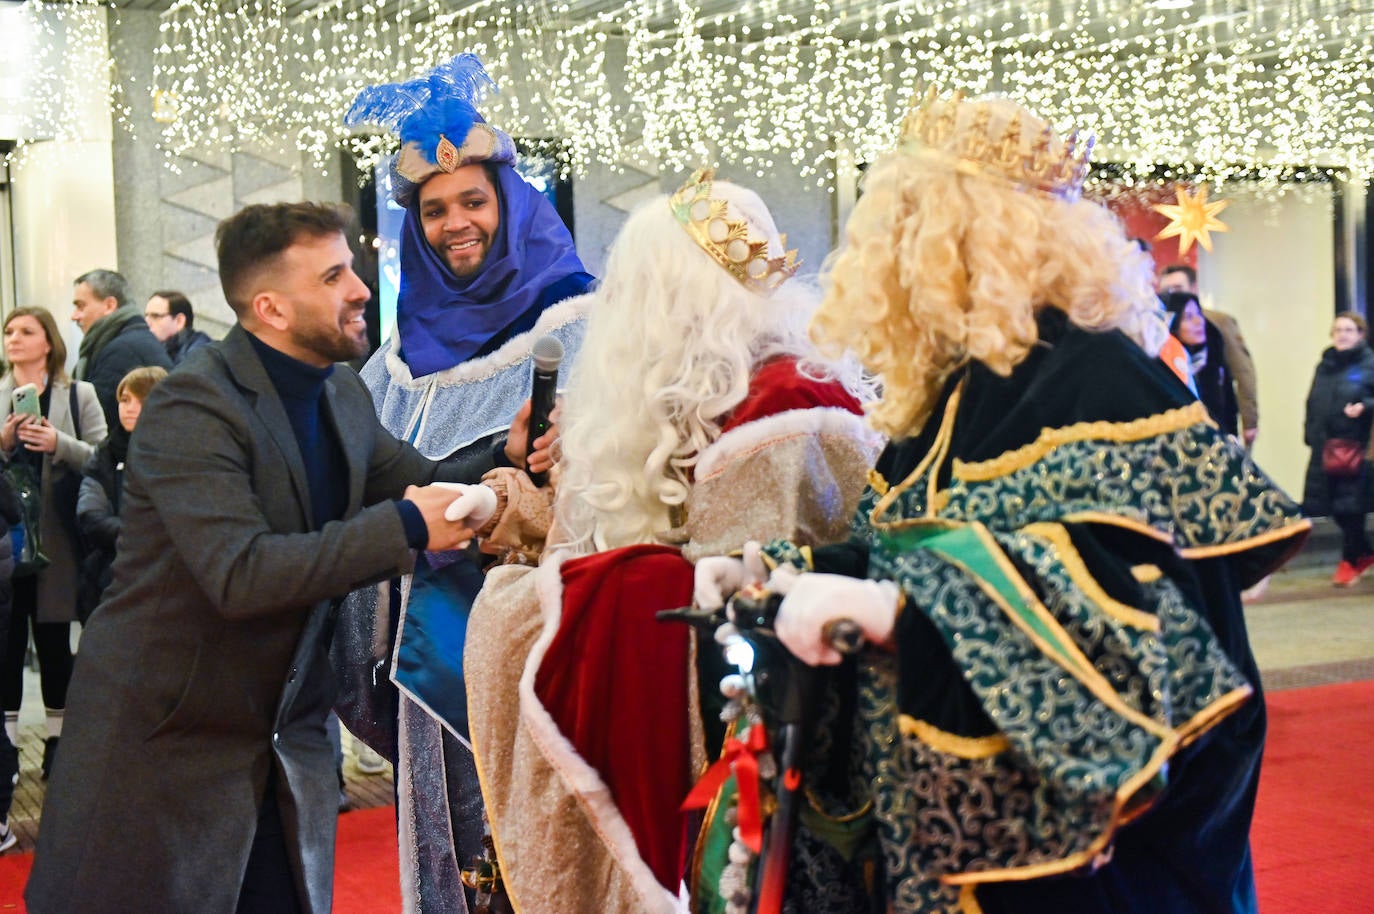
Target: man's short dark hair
<point x="106" y="284"/>
<point x="177" y="304"/>
<point x="1181" y="268"/>
<point x="251" y="240"/>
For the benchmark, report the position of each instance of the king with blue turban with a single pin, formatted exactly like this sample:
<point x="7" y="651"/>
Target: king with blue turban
<point x="487" y="268"/>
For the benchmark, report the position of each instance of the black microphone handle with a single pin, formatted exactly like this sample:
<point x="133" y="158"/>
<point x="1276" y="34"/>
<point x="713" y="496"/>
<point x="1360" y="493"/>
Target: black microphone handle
<point x="543" y="395"/>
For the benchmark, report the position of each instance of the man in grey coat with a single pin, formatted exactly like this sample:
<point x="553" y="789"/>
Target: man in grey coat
<point x="195" y="773"/>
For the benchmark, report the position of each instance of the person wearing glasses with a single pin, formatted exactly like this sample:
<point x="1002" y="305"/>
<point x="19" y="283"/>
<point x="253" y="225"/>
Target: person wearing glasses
<point x="172" y="321"/>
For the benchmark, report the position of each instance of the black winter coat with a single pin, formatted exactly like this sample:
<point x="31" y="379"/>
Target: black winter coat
<point x="1341" y="378"/>
<point x="184" y="343"/>
<point x="134" y="347"/>
<point x="1215" y="386"/>
<point x="11" y="513"/>
<point x="97" y="516"/>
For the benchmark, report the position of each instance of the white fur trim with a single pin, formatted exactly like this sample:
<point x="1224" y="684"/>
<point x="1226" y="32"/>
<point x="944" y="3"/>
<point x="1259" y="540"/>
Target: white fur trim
<point x="817" y="421"/>
<point x="582" y="780"/>
<point x="513" y="351"/>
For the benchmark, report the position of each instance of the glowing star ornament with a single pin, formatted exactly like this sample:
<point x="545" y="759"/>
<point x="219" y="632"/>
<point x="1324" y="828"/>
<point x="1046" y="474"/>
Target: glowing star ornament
<point x="1192" y="218"/>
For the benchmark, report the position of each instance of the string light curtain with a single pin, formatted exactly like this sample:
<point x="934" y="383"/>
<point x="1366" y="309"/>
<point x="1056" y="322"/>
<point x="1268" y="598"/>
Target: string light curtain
<point x="1225" y="88"/>
<point x="41" y="51"/>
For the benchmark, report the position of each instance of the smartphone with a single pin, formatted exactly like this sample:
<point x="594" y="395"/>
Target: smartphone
<point x="26" y="401"/>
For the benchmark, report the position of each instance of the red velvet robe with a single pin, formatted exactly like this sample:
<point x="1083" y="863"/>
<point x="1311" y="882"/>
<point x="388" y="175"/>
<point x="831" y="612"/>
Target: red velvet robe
<point x="632" y="725"/>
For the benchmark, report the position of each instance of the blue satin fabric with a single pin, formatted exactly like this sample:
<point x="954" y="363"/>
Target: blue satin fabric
<point x="429" y="655"/>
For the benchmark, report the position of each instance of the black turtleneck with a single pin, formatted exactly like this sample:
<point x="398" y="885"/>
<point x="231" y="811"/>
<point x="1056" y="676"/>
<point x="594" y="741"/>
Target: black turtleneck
<point x="301" y="388"/>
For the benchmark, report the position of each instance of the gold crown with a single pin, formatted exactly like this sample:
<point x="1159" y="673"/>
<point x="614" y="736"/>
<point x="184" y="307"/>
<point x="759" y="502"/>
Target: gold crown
<point x="929" y="129"/>
<point x="727" y="240"/>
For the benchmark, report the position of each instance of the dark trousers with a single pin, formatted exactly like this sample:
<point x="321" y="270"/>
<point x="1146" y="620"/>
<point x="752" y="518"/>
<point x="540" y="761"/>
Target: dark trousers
<point x="9" y="755"/>
<point x="268" y="884"/>
<point x="1354" y="541"/>
<point x="53" y="642"/>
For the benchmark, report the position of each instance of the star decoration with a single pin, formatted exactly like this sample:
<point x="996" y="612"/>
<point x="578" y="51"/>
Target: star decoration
<point x="1192" y="218"/>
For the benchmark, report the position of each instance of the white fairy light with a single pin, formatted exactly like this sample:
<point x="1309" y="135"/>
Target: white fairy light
<point x="67" y="38"/>
<point x="1215" y="90"/>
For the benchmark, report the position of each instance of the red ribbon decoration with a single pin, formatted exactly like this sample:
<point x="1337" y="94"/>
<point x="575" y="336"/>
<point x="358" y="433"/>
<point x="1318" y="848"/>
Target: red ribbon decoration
<point x="741" y="759"/>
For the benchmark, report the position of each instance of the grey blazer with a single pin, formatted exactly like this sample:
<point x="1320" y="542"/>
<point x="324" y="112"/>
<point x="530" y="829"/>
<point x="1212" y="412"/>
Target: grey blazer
<point x="206" y="665"/>
<point x="57" y="582"/>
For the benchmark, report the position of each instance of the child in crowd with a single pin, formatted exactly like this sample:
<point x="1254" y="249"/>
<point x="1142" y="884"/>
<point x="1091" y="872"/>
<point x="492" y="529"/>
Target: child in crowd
<point x="98" y="506"/>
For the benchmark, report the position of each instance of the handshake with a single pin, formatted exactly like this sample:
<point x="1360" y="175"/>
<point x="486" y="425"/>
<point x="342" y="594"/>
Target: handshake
<point x="453" y="512"/>
<point x="812" y="603"/>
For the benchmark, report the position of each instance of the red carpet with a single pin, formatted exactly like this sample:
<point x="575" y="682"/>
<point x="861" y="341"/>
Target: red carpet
<point x="1313" y="835"/>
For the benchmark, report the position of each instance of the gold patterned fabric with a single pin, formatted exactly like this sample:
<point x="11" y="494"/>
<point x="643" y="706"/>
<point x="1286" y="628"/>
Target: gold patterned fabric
<point x="1090" y="698"/>
<point x="1173" y="476"/>
<point x="1057" y="655"/>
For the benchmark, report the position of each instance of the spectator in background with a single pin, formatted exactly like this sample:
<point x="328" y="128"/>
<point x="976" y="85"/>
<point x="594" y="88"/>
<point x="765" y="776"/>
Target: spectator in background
<point x="172" y="321"/>
<point x="56" y="445"/>
<point x="1171" y="351"/>
<point x="1340" y="408"/>
<point x="116" y="337"/>
<point x="1207" y="357"/>
<point x="1179" y="277"/>
<point x="11" y="512"/>
<point x="97" y="507"/>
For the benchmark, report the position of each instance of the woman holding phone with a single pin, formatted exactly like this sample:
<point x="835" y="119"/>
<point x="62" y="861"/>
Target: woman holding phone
<point x="1340" y="414"/>
<point x="49" y="441"/>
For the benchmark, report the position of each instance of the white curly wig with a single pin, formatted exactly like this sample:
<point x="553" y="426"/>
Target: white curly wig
<point x="671" y="343"/>
<point x="943" y="263"/>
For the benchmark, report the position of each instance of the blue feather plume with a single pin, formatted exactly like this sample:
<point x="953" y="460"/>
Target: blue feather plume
<point x="442" y="101"/>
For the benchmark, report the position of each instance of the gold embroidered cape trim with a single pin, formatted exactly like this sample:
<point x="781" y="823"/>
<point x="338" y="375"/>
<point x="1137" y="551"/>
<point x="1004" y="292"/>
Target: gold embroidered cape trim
<point x="1294" y="527"/>
<point x="1146" y="574"/>
<point x="1213" y="714"/>
<point x="1078" y="572"/>
<point x="1066" y="653"/>
<point x="1180" y="526"/>
<point x="967" y="747"/>
<point x="818" y="809"/>
<point x="1128" y="800"/>
<point x="1070" y="862"/>
<point x="933" y="458"/>
<point x="1121" y="520"/>
<point x="1136" y="430"/>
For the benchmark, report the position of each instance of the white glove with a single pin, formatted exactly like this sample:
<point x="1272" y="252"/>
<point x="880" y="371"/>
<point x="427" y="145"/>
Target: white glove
<point x="719" y="576"/>
<point x="812" y="601"/>
<point x="473" y="506"/>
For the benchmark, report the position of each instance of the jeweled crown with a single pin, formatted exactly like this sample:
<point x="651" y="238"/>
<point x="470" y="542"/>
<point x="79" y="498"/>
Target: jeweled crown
<point x="1038" y="162"/>
<point x="727" y="240"/>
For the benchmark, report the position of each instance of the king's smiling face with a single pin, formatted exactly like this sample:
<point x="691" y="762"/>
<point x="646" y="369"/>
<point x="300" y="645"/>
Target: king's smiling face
<point x="460" y="213"/>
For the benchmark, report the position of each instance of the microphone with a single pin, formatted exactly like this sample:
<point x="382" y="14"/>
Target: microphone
<point x="547" y="356"/>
